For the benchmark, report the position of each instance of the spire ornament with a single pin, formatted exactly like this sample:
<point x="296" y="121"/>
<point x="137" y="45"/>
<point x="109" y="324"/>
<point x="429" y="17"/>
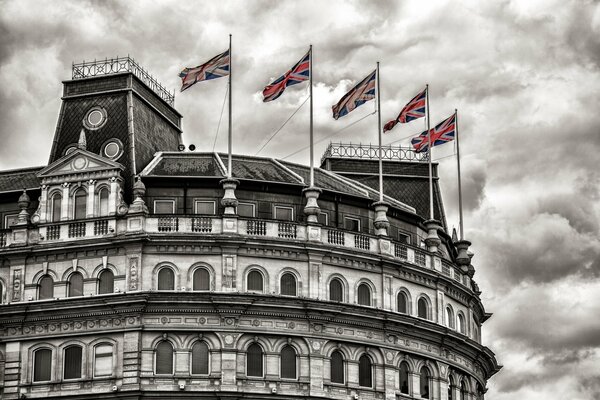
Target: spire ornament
<point x="82" y="143"/>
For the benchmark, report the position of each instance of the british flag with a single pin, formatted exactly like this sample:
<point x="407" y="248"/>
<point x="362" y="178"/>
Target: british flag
<point x="360" y="94"/>
<point x="442" y="133"/>
<point x="297" y="74"/>
<point x="413" y="110"/>
<point x="216" y="67"/>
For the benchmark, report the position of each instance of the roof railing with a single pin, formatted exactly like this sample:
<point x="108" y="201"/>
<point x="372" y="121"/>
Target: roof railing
<point x="371" y="152"/>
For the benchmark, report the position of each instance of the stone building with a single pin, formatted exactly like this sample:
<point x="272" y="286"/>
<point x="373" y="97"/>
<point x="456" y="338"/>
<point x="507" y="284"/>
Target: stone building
<point x="131" y="269"/>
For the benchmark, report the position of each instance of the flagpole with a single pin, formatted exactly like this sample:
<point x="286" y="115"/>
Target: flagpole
<point x="460" y="207"/>
<point x="429" y="151"/>
<point x="312" y="149"/>
<point x="379" y="135"/>
<point x="229" y="174"/>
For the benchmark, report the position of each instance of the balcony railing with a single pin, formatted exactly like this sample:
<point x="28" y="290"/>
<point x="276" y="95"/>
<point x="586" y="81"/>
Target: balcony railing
<point x="77" y="229"/>
<point x="202" y="224"/>
<point x="287" y="230"/>
<point x="168" y="224"/>
<point x="4" y="238"/>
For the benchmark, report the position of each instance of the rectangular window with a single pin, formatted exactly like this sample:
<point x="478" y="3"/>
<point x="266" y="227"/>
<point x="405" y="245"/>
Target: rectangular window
<point x="403" y="238"/>
<point x="284" y="213"/>
<point x="323" y="218"/>
<point x="204" y="207"/>
<point x="352" y="224"/>
<point x="164" y="206"/>
<point x="246" y="210"/>
<point x="103" y="360"/>
<point x="10" y="220"/>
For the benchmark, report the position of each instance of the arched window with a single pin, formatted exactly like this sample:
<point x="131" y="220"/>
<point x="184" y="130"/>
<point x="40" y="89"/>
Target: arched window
<point x="46" y="288"/>
<point x="103" y="360"/>
<point x="337" y="367"/>
<point x="201" y="279"/>
<point x="55" y="208"/>
<point x="164" y="358"/>
<point x="106" y="282"/>
<point x="103" y="202"/>
<point x="422" y="308"/>
<point x="254" y="360"/>
<point x="75" y="285"/>
<point x="461" y="323"/>
<point x="200" y="359"/>
<point x="365" y="371"/>
<point x="463" y="390"/>
<point x="450" y="388"/>
<point x="1" y="293"/>
<point x="475" y="333"/>
<point x="42" y="365"/>
<point x="404" y="378"/>
<point x="449" y="317"/>
<point x="72" y="362"/>
<point x="424" y="382"/>
<point x="336" y="290"/>
<point x="288" y="362"/>
<point x="364" y="294"/>
<point x="288" y="284"/>
<point x="79" y="204"/>
<point x="255" y="281"/>
<point x="402" y="303"/>
<point x="166" y="279"/>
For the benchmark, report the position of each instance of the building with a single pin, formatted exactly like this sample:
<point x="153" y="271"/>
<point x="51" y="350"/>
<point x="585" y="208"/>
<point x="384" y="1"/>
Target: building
<point x="131" y="269"/>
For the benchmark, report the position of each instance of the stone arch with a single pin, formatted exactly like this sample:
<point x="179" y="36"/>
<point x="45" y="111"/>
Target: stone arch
<point x="51" y="273"/>
<point x="175" y="341"/>
<point x="262" y="271"/>
<point x="371" y="286"/>
<point x="450" y="317"/>
<point x="30" y="352"/>
<point x="101" y="268"/>
<point x="211" y="339"/>
<point x="433" y="368"/>
<point x="70" y="271"/>
<point x="332" y="346"/>
<point x="429" y="305"/>
<point x="407" y="358"/>
<point x="300" y="346"/>
<point x="403" y="289"/>
<point x="297" y="276"/>
<point x="165" y="264"/>
<point x="345" y="286"/>
<point x="196" y="266"/>
<point x="246" y="340"/>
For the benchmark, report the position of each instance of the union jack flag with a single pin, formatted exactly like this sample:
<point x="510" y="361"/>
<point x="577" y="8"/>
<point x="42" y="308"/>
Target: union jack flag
<point x="359" y="95"/>
<point x="442" y="133"/>
<point x="216" y="67"/>
<point x="298" y="74"/>
<point x="413" y="110"/>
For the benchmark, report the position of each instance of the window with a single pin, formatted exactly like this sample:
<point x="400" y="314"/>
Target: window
<point x="365" y="377"/>
<point x="42" y="365"/>
<point x="288" y="362"/>
<point x="106" y="282"/>
<point x="75" y="285"/>
<point x="55" y="208"/>
<point x="323" y="218"/>
<point x="337" y="367"/>
<point x="422" y="308"/>
<point x="288" y="284"/>
<point x="336" y="290"/>
<point x="1" y="293"/>
<point x="46" y="288"/>
<point x="352" y="224"/>
<point x="475" y="333"/>
<point x="255" y="281"/>
<point x="200" y="359"/>
<point x="164" y="358"/>
<point x="424" y="382"/>
<point x="103" y="360"/>
<point x="402" y="303"/>
<point x="463" y="390"/>
<point x="164" y="206"/>
<point x="364" y="294"/>
<point x="461" y="323"/>
<point x="72" y="362"/>
<point x="449" y="318"/>
<point x="450" y="388"/>
<point x="204" y="207"/>
<point x="404" y="378"/>
<point x="201" y="279"/>
<point x="284" y="213"/>
<point x="166" y="279"/>
<point x="403" y="238"/>
<point x="79" y="204"/>
<point x="103" y="202"/>
<point x="245" y="210"/>
<point x="254" y="360"/>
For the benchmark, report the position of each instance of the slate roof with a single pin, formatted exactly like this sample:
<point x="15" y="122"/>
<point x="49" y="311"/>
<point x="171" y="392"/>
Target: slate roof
<point x="18" y="179"/>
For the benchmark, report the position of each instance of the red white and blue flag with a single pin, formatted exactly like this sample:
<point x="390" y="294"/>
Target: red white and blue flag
<point x="297" y="74"/>
<point x="413" y="110"/>
<point x="442" y="133"/>
<point x="216" y="67"/>
<point x="360" y="94"/>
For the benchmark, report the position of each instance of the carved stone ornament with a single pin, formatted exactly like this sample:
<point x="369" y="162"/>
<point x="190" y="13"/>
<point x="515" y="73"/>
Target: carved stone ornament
<point x="312" y="209"/>
<point x="36" y="217"/>
<point x="229" y="201"/>
<point x="121" y="205"/>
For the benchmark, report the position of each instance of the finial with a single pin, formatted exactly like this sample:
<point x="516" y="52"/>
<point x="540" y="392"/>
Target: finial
<point x="82" y="144"/>
<point x="454" y="235"/>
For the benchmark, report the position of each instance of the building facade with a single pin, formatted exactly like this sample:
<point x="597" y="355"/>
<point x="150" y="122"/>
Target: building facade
<point x="131" y="269"/>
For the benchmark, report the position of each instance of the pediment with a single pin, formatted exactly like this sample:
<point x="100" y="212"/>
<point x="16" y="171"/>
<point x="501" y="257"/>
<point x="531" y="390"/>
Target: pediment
<point x="79" y="162"/>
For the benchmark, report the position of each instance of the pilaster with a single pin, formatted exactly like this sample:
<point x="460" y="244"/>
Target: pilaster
<point x="12" y="370"/>
<point x="91" y="196"/>
<point x="64" y="205"/>
<point x="131" y="360"/>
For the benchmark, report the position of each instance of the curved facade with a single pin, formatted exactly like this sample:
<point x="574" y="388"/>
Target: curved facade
<point x="195" y="286"/>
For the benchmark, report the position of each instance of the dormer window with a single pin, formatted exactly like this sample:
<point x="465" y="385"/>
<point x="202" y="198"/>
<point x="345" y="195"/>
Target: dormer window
<point x="79" y="204"/>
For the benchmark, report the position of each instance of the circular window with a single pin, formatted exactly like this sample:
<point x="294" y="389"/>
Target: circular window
<point x="95" y="118"/>
<point x="70" y="149"/>
<point x="112" y="148"/>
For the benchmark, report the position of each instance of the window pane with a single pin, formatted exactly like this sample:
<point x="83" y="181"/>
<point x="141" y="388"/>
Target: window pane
<point x="166" y="279"/>
<point x="404" y="378"/>
<point x="164" y="207"/>
<point x="364" y="294"/>
<point x="42" y="363"/>
<point x="106" y="282"/>
<point x="336" y="290"/>
<point x="254" y="361"/>
<point x="424" y="383"/>
<point x="201" y="279"/>
<point x="103" y="360"/>
<point x="103" y="202"/>
<point x="245" y="210"/>
<point x="461" y="323"/>
<point x="72" y="362"/>
<point x="288" y="362"/>
<point x="1" y="294"/>
<point x="75" y="284"/>
<point x="164" y="358"/>
<point x="283" y="213"/>
<point x="56" y="207"/>
<point x="450" y="317"/>
<point x="402" y="303"/>
<point x="450" y="388"/>
<point x="80" y="204"/>
<point x="200" y="359"/>
<point x="364" y="371"/>
<point x="463" y="391"/>
<point x="46" y="288"/>
<point x="288" y="285"/>
<point x="322" y="218"/>
<point x="255" y="281"/>
<point x="352" y="224"/>
<point x="205" y="207"/>
<point x="337" y="367"/>
<point x="403" y="238"/>
<point x="422" y="308"/>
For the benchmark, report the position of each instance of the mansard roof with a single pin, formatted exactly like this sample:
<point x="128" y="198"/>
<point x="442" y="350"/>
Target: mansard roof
<point x="14" y="180"/>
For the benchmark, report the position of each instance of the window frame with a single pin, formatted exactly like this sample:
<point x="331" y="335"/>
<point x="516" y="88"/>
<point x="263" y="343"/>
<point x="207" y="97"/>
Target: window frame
<point x="343" y="287"/>
<point x="208" y="358"/>
<point x="369" y="288"/>
<point x="427" y="308"/>
<point x="248" y="281"/>
<point x="326" y="214"/>
<point x="7" y="216"/>
<point x="64" y="362"/>
<point x="290" y="208"/>
<point x="262" y="362"/>
<point x="70" y="284"/>
<point x="101" y="190"/>
<point x="450" y="317"/>
<point x="198" y="201"/>
<point x="408" y="380"/>
<point x="156" y="201"/>
<point x="158" y="278"/>
<point x="103" y="271"/>
<point x="371" y="371"/>
<point x="405" y="235"/>
<point x="295" y="278"/>
<point x="296" y="360"/>
<point x="343" y="368"/>
<point x="112" y="359"/>
<point x="155" y="371"/>
<point x="39" y="288"/>
<point x="53" y="197"/>
<point x="74" y="197"/>
<point x="353" y="218"/>
<point x="245" y="203"/>
<point x="406" y="303"/>
<point x="33" y="356"/>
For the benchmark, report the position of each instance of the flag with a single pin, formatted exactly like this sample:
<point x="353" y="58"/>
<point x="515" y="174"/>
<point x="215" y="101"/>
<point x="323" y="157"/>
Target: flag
<point x="413" y="110"/>
<point x="360" y="94"/>
<point x="442" y="133"/>
<point x="217" y="67"/>
<point x="297" y="74"/>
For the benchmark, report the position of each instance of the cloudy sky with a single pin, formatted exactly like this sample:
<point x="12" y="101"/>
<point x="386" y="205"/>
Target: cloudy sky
<point x="524" y="75"/>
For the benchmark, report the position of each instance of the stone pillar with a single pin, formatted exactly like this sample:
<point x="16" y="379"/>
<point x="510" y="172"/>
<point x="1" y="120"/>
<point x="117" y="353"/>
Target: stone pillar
<point x="136" y="215"/>
<point x="131" y="360"/>
<point x="317" y="368"/>
<point x="432" y="240"/>
<point x="415" y="380"/>
<point x="312" y="209"/>
<point x="440" y="307"/>
<point x="91" y="197"/>
<point x="229" y="201"/>
<point x="316" y="289"/>
<point x="23" y="204"/>
<point x="12" y="370"/>
<point x="390" y="376"/>
<point x="229" y="280"/>
<point x="112" y="196"/>
<point x="387" y="293"/>
<point x="382" y="225"/>
<point x="64" y="206"/>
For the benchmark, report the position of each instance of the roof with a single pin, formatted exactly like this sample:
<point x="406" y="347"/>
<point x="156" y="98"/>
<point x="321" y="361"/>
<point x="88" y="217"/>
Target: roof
<point x="13" y="180"/>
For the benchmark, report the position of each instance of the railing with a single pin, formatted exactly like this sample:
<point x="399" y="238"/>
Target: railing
<point x="336" y="237"/>
<point x="256" y="228"/>
<point x="100" y="227"/>
<point x="420" y="258"/>
<point x="364" y="151"/>
<point x="287" y="230"/>
<point x="122" y="64"/>
<point x="53" y="232"/>
<point x="401" y="251"/>
<point x="77" y="229"/>
<point x="445" y="269"/>
<point x="168" y="224"/>
<point x="3" y="238"/>
<point x="362" y="242"/>
<point x="202" y="224"/>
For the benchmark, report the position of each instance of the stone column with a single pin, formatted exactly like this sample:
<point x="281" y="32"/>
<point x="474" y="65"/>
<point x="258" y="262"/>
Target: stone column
<point x="415" y="380"/>
<point x="112" y="196"/>
<point x="229" y="201"/>
<point x="390" y="376"/>
<point x="317" y="367"/>
<point x="312" y="211"/>
<point x="91" y="197"/>
<point x="382" y="225"/>
<point x="64" y="206"/>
